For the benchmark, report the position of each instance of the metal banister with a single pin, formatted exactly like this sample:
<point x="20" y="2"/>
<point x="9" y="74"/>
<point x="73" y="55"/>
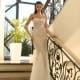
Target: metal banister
<point x="62" y="66"/>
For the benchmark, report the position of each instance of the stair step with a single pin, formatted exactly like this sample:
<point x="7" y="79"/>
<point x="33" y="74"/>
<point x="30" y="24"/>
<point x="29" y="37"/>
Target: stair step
<point x="15" y="75"/>
<point x="16" y="67"/>
<point x="14" y="78"/>
<point x="15" y="71"/>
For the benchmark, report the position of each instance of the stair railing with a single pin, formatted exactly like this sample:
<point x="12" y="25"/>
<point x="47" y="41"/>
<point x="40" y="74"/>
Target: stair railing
<point x="61" y="65"/>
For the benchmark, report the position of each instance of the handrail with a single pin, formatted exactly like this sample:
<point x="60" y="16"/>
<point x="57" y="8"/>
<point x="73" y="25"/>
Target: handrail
<point x="61" y="44"/>
<point x="61" y="63"/>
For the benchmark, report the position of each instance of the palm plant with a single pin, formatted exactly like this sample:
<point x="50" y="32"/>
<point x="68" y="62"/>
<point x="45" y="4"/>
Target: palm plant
<point x="18" y="32"/>
<point x="21" y="36"/>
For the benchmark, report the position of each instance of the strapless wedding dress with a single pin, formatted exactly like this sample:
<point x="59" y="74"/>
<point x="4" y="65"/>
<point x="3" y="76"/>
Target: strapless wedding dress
<point x="40" y="68"/>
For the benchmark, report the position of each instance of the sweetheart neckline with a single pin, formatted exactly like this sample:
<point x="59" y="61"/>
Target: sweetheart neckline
<point x="38" y="18"/>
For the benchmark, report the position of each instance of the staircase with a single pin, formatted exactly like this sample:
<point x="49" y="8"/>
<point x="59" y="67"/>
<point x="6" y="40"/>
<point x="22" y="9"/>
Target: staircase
<point x="62" y="65"/>
<point x="64" y="52"/>
<point x="15" y="71"/>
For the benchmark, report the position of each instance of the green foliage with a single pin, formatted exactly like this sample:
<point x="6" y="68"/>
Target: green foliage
<point x="20" y="35"/>
<point x="26" y="48"/>
<point x="18" y="32"/>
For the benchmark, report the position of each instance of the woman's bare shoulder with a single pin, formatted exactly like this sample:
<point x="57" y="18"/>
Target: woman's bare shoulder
<point x="32" y="16"/>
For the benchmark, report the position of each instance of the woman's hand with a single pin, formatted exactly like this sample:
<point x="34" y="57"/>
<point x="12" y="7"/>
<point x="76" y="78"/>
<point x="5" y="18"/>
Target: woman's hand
<point x="50" y="34"/>
<point x="53" y="35"/>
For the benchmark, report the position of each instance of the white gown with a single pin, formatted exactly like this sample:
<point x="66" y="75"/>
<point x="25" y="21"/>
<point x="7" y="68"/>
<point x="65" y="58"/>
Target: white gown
<point x="40" y="69"/>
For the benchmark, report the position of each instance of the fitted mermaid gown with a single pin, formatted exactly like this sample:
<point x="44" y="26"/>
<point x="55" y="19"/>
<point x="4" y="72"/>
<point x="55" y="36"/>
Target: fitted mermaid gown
<point x="40" y="68"/>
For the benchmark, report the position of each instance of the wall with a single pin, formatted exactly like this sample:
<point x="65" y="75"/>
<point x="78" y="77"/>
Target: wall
<point x="1" y="30"/>
<point x="67" y="27"/>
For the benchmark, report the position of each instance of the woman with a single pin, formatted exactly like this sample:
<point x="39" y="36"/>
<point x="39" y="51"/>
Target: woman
<point x="40" y="69"/>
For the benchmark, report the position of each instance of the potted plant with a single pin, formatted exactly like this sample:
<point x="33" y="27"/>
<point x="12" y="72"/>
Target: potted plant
<point x="26" y="48"/>
<point x="18" y="35"/>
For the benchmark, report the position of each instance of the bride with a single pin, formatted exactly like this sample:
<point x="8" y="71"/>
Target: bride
<point x="40" y="32"/>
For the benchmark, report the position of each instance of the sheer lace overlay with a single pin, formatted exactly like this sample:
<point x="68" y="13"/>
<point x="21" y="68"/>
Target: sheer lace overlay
<point x="40" y="69"/>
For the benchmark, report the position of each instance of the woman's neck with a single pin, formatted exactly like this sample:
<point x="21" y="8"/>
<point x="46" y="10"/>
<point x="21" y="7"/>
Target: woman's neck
<point x="39" y="13"/>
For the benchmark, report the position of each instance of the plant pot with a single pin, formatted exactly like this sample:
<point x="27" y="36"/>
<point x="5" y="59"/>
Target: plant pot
<point x="15" y="52"/>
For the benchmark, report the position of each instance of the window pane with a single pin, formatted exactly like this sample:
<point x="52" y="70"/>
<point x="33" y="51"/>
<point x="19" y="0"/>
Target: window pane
<point x="33" y="1"/>
<point x="11" y="13"/>
<point x="10" y="2"/>
<point x="25" y="10"/>
<point x="7" y="28"/>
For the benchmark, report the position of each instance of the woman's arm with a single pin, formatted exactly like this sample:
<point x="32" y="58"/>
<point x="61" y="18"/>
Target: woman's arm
<point x="27" y="23"/>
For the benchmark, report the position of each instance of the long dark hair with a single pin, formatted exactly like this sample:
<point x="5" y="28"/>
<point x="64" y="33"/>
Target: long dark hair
<point x="38" y="2"/>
